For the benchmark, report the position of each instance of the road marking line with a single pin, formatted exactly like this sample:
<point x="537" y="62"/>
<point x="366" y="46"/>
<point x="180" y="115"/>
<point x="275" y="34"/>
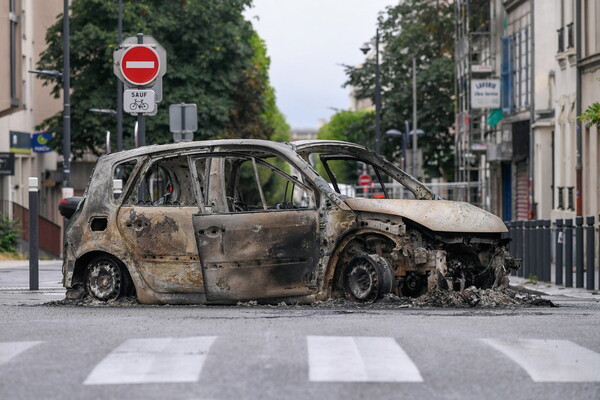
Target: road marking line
<point x="551" y="360"/>
<point x="9" y="350"/>
<point x="153" y="360"/>
<point x="359" y="359"/>
<point x="139" y="64"/>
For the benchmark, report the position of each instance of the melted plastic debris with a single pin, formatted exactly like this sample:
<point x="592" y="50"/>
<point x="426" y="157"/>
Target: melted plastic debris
<point x="481" y="298"/>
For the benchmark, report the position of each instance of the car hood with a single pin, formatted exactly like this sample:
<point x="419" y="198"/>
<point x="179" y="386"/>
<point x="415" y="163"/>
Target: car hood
<point x="437" y="215"/>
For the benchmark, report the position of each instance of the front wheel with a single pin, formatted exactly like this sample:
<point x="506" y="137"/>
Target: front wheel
<point x="366" y="278"/>
<point x="106" y="279"/>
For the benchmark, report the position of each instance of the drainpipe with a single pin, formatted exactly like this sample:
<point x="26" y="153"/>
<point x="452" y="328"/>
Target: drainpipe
<point x="532" y="210"/>
<point x="579" y="163"/>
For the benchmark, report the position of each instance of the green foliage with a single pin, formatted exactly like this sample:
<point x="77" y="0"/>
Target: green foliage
<point x="355" y="127"/>
<point x="213" y="60"/>
<point x="591" y="116"/>
<point x="9" y="234"/>
<point x="423" y="30"/>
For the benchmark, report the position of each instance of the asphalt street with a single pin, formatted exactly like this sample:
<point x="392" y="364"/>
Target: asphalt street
<point x="55" y="351"/>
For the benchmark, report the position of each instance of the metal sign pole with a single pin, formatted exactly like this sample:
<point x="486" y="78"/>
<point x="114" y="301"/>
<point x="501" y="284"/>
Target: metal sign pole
<point x="141" y="117"/>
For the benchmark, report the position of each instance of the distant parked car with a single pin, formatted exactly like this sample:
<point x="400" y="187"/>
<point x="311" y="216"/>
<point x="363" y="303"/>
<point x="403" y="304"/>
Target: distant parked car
<point x="67" y="206"/>
<point x="222" y="221"/>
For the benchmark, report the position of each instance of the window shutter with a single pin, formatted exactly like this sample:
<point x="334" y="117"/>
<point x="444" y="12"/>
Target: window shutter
<point x="506" y="76"/>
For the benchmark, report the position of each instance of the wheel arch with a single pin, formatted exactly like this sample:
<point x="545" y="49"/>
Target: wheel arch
<point x="82" y="262"/>
<point x="333" y="268"/>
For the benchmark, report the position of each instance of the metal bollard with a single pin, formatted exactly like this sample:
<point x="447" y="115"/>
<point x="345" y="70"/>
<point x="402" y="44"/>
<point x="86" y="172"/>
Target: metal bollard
<point x="539" y="250"/>
<point x="560" y="239"/>
<point x="519" y="245"/>
<point x="33" y="235"/>
<point x="590" y="253"/>
<point x="579" y="252"/>
<point x="547" y="249"/>
<point x="526" y="248"/>
<point x="568" y="253"/>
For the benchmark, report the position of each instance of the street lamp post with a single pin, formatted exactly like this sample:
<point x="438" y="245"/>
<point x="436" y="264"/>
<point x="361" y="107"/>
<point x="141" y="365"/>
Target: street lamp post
<point x="66" y="82"/>
<point x="365" y="49"/>
<point x="405" y="137"/>
<point x="66" y="103"/>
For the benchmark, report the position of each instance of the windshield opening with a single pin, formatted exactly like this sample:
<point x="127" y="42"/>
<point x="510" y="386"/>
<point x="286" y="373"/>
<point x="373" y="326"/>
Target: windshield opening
<point x="354" y="177"/>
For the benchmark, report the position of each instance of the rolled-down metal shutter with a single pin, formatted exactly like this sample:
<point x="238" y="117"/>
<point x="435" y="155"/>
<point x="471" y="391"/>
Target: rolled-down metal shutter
<point x="521" y="190"/>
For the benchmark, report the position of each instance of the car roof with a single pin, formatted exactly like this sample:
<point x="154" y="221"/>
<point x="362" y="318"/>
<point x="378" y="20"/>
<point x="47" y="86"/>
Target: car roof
<point x="284" y="147"/>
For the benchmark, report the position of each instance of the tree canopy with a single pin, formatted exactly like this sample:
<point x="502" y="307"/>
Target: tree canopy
<point x="355" y="127"/>
<point x="423" y="30"/>
<point x="214" y="59"/>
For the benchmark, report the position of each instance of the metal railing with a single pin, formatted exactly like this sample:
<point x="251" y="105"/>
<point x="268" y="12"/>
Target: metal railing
<point x="568" y="245"/>
<point x="455" y="191"/>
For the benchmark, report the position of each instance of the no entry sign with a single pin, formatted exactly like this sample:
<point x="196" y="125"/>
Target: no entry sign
<point x="365" y="180"/>
<point x="140" y="62"/>
<point x="140" y="65"/>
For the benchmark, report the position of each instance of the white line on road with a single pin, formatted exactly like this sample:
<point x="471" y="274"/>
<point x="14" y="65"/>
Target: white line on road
<point x="9" y="350"/>
<point x="551" y="360"/>
<point x="153" y="360"/>
<point x="359" y="359"/>
<point x="139" y="64"/>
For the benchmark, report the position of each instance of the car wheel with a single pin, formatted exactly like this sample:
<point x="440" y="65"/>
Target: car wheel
<point x="106" y="279"/>
<point x="366" y="278"/>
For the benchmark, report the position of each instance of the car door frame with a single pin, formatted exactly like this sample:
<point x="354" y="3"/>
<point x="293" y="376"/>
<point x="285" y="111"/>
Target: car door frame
<point x="258" y="254"/>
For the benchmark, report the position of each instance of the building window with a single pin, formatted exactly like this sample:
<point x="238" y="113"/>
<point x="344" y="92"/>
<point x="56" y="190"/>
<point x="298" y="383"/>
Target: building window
<point x="14" y="101"/>
<point x="570" y="36"/>
<point x="561" y="40"/>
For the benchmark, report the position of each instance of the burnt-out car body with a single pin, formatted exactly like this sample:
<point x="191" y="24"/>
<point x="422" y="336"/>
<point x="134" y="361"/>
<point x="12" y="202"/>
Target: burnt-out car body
<point x="217" y="222"/>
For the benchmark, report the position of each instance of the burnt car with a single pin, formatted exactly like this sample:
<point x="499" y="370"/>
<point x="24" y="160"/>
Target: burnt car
<point x="217" y="222"/>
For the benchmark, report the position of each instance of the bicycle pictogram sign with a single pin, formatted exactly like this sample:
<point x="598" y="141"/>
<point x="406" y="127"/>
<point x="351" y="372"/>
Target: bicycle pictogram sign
<point x="139" y="101"/>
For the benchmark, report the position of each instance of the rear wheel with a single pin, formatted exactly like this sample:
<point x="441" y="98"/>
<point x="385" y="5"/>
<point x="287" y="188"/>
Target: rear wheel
<point x="106" y="279"/>
<point x="366" y="278"/>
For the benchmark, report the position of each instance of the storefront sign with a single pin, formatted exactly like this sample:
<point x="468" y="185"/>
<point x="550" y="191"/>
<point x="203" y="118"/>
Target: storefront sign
<point x="39" y="142"/>
<point x="7" y="164"/>
<point x="485" y="93"/>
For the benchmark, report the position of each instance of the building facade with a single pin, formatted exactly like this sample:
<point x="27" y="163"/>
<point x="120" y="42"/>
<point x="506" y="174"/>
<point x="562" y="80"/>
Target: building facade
<point x="533" y="158"/>
<point x="24" y="104"/>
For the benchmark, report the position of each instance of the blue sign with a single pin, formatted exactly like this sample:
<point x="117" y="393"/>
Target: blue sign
<point x="39" y="142"/>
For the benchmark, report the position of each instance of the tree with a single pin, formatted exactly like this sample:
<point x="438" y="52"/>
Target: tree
<point x="211" y="54"/>
<point x="423" y="30"/>
<point x="355" y="127"/>
<point x="591" y="115"/>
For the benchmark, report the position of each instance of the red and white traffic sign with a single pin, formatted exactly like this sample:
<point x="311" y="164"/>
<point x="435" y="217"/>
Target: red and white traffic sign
<point x="140" y="65"/>
<point x="365" y="180"/>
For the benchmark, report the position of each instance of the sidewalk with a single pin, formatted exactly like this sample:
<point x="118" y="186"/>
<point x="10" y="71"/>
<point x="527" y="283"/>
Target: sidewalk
<point x="550" y="289"/>
<point x="14" y="282"/>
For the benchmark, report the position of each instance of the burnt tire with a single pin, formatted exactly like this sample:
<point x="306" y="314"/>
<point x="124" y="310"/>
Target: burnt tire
<point x="107" y="279"/>
<point x="367" y="278"/>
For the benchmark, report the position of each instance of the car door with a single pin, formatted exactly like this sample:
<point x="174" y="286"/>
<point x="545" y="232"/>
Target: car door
<point x="257" y="231"/>
<point x="155" y="223"/>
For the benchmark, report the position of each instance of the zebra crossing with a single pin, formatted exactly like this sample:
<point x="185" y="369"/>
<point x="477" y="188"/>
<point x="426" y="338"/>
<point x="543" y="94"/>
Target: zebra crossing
<point x="328" y="359"/>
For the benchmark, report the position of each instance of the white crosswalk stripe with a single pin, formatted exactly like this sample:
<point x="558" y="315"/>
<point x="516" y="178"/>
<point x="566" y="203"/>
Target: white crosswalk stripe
<point x="153" y="360"/>
<point x="551" y="360"/>
<point x="359" y="359"/>
<point x="10" y="350"/>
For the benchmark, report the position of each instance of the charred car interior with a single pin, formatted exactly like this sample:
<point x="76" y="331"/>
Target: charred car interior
<point x="223" y="221"/>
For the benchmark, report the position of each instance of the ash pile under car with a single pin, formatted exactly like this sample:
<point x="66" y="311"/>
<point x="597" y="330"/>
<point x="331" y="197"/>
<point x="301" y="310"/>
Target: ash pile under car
<point x="223" y="221"/>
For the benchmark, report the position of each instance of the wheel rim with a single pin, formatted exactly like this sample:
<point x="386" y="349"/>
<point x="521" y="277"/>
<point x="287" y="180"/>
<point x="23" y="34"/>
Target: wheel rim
<point x="363" y="281"/>
<point x="104" y="280"/>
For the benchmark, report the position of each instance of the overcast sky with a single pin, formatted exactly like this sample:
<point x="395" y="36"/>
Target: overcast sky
<point x="307" y="41"/>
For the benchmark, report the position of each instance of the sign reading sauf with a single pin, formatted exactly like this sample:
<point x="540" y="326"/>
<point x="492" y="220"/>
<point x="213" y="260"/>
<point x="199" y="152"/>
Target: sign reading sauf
<point x="224" y="221"/>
